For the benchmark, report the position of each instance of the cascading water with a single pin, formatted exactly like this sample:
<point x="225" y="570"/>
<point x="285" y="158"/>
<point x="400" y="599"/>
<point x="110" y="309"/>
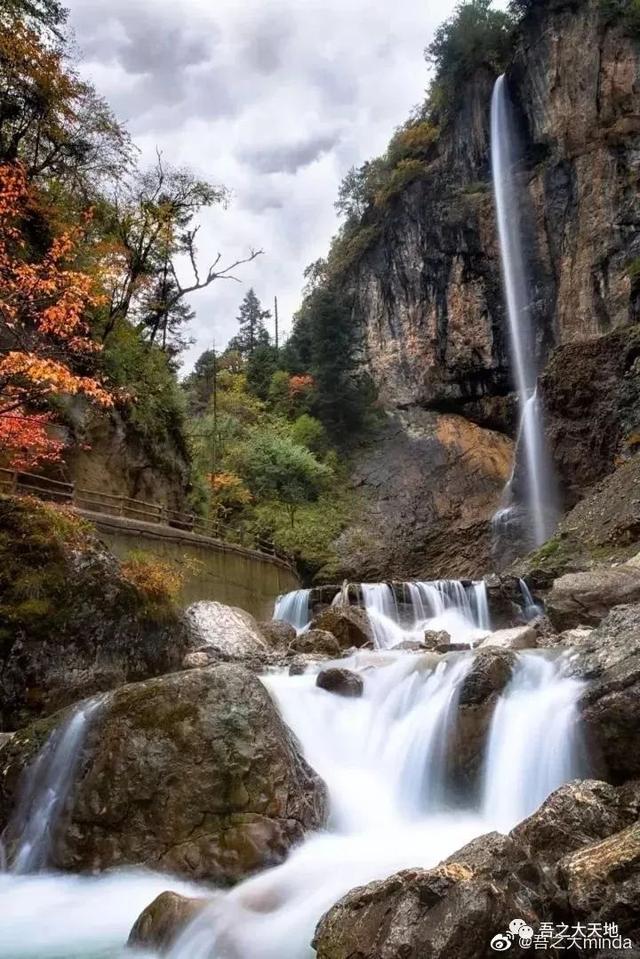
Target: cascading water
<point x="293" y="608"/>
<point x="44" y="792"/>
<point x="403" y="611"/>
<point x="384" y="758"/>
<point x="538" y="475"/>
<point x="534" y="741"/>
<point x="530" y="608"/>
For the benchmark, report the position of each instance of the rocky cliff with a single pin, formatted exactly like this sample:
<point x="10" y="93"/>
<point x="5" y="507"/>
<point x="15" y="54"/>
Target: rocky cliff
<point x="427" y="293"/>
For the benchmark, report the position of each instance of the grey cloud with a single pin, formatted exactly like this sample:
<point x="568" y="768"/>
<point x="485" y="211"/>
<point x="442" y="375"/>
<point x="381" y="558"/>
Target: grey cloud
<point x="288" y="158"/>
<point x="266" y="46"/>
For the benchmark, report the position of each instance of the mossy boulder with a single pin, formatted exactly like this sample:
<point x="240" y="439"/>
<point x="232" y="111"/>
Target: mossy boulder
<point x="71" y="623"/>
<point x="194" y="774"/>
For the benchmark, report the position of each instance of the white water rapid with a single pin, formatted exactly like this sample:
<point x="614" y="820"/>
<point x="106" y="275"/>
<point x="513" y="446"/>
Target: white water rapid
<point x="384" y="758"/>
<point x="403" y="611"/>
<point x="538" y="474"/>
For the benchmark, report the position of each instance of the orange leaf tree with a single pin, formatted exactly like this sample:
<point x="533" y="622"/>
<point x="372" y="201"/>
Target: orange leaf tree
<point x="45" y="346"/>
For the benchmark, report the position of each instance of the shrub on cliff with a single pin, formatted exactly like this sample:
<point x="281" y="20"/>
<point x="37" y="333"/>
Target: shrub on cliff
<point x="71" y="622"/>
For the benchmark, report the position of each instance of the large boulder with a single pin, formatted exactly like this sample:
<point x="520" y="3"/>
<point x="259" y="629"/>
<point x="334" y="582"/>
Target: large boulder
<point x="601" y="883"/>
<point x="225" y="632"/>
<point x="316" y="642"/>
<point x="487" y="676"/>
<point x="440" y="913"/>
<point x="193" y="773"/>
<point x="159" y="925"/>
<point x="575" y="815"/>
<point x="610" y="707"/>
<point x="349" y="624"/>
<point x="277" y="634"/>
<point x="584" y="599"/>
<point x="489" y="673"/>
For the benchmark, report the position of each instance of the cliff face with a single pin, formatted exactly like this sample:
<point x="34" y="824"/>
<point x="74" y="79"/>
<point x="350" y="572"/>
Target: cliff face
<point x="576" y="78"/>
<point x="427" y="294"/>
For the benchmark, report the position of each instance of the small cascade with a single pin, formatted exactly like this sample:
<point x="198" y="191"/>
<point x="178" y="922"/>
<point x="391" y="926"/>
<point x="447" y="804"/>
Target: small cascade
<point x="403" y="611"/>
<point x="537" y="495"/>
<point x="293" y="608"/>
<point x="530" y="608"/>
<point x="481" y="612"/>
<point x="45" y="789"/>
<point x="534" y="741"/>
<point x="380" y="603"/>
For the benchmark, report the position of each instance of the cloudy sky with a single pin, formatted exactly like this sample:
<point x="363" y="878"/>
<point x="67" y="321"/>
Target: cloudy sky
<point x="276" y="99"/>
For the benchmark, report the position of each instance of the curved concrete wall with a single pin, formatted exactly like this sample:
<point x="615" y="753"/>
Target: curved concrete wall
<point x="212" y="569"/>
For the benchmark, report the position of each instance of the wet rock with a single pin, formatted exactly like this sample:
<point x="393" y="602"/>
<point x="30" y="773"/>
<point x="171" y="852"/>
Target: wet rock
<point x="343" y="682"/>
<point x="519" y="637"/>
<point x="349" y="625"/>
<point x="195" y="774"/>
<point x="433" y="639"/>
<point x="609" y="657"/>
<point x="439" y="913"/>
<point x="277" y="634"/>
<point x="489" y="673"/>
<point x="159" y="925"/>
<point x="316" y="642"/>
<point x="602" y="881"/>
<point x="505" y="861"/>
<point x="584" y="599"/>
<point x="574" y="816"/>
<point x="226" y="632"/>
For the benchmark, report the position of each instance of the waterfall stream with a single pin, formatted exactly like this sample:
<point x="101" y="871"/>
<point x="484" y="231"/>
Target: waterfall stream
<point x="384" y="758"/>
<point x="403" y="611"/>
<point x="538" y="475"/>
<point x="44" y="791"/>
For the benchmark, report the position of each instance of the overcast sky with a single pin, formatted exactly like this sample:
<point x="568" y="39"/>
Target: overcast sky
<point x="276" y="99"/>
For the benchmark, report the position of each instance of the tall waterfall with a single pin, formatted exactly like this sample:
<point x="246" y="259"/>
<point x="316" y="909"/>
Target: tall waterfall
<point x="538" y="477"/>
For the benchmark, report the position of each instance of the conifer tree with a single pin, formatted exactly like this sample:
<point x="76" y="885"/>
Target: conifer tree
<point x="253" y="332"/>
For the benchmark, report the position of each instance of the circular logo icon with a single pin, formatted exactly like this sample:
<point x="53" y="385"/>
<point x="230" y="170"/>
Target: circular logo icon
<point x="516" y="925"/>
<point x="525" y="935"/>
<point x="501" y="942"/>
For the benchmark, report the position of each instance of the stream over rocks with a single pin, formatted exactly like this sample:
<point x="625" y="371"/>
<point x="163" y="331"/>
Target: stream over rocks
<point x="385" y="759"/>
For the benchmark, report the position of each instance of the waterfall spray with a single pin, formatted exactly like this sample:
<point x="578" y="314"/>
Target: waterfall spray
<point x="538" y="481"/>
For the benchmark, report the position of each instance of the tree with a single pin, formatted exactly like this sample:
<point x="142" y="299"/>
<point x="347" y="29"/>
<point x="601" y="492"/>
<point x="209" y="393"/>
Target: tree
<point x="45" y="346"/>
<point x="475" y="35"/>
<point x="150" y="225"/>
<point x="253" y="332"/>
<point x="274" y="467"/>
<point x="52" y="121"/>
<point x="261" y="365"/>
<point x="164" y="318"/>
<point x="308" y="431"/>
<point x="341" y="395"/>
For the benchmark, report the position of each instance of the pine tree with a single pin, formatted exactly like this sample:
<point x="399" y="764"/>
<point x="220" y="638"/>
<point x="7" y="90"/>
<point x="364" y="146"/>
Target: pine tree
<point x="253" y="332"/>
